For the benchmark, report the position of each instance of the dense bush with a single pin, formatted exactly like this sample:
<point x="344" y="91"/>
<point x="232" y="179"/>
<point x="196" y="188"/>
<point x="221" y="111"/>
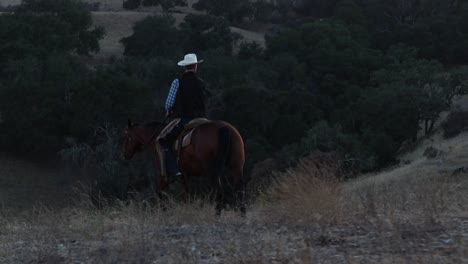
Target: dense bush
<point x="103" y="174"/>
<point x="131" y="4"/>
<point x="46" y="93"/>
<point x="165" y="4"/>
<point x="157" y="36"/>
<point x="234" y="11"/>
<point x="456" y="123"/>
<point x="153" y="36"/>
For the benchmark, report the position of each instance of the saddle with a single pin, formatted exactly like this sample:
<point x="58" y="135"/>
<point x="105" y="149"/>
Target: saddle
<point x="182" y="141"/>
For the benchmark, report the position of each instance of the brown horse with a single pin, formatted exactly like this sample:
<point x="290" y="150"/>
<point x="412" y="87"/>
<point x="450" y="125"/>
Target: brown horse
<point x="216" y="154"/>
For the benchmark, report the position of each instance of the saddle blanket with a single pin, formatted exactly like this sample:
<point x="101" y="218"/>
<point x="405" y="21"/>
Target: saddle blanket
<point x="183" y="140"/>
<point x="186" y="135"/>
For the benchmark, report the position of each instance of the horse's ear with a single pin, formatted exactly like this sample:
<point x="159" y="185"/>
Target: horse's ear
<point x="129" y="123"/>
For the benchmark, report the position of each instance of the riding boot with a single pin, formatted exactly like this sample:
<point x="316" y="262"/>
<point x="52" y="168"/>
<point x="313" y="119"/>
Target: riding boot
<point x="171" y="161"/>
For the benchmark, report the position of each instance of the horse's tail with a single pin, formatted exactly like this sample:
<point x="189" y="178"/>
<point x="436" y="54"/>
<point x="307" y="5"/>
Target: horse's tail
<point x="224" y="150"/>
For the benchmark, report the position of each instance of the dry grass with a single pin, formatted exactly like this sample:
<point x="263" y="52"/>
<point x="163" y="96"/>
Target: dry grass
<point x="417" y="190"/>
<point x="416" y="213"/>
<point x="127" y="233"/>
<point x="305" y="192"/>
<point x="306" y="216"/>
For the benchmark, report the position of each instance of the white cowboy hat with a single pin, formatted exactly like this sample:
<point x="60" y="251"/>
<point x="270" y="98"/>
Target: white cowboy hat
<point x="189" y="59"/>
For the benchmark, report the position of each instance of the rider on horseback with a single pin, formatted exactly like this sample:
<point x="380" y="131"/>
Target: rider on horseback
<point x="185" y="101"/>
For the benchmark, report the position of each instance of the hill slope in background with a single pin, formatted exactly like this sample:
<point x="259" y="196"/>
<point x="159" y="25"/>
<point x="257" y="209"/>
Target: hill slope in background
<point x="9" y="2"/>
<point x="118" y="23"/>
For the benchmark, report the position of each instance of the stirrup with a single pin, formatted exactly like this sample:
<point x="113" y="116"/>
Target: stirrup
<point x="176" y="175"/>
<point x="175" y="178"/>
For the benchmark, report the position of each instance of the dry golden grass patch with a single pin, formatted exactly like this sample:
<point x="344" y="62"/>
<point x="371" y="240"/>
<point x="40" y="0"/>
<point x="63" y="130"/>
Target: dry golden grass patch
<point x="313" y="193"/>
<point x="307" y="192"/>
<point x="424" y="194"/>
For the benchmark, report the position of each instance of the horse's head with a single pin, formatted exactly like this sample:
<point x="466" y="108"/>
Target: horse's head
<point x="133" y="141"/>
<point x="137" y="137"/>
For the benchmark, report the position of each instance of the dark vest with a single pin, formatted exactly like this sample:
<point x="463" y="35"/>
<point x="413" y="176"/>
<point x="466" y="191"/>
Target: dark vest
<point x="189" y="102"/>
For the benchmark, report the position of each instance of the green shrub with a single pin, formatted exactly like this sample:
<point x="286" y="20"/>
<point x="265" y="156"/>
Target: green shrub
<point x="153" y="36"/>
<point x="234" y="11"/>
<point x="104" y="175"/>
<point x="456" y="123"/>
<point x="131" y="4"/>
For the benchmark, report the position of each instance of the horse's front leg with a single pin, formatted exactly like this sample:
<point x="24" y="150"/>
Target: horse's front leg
<point x="241" y="204"/>
<point x="160" y="193"/>
<point x="220" y="204"/>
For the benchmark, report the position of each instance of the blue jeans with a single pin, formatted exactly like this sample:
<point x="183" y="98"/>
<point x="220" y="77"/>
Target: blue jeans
<point x="167" y="141"/>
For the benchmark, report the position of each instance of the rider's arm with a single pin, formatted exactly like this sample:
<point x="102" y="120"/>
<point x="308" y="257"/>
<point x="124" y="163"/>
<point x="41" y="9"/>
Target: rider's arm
<point x="171" y="98"/>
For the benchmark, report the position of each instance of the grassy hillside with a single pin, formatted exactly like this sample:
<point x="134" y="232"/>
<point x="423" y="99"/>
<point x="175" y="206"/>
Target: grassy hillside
<point x="116" y="5"/>
<point x="117" y="26"/>
<point x="105" y="5"/>
<point x="9" y="2"/>
<point x="118" y="23"/>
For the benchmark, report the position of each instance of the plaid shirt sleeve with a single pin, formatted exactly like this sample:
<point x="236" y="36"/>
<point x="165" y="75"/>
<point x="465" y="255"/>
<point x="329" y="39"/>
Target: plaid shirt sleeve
<point x="170" y="101"/>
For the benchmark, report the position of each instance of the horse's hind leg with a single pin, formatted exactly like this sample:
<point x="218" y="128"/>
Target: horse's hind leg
<point x="162" y="201"/>
<point x="236" y="200"/>
<point x="219" y="208"/>
<point x="240" y="200"/>
<point x="242" y="205"/>
<point x="220" y="204"/>
<point x="238" y="192"/>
